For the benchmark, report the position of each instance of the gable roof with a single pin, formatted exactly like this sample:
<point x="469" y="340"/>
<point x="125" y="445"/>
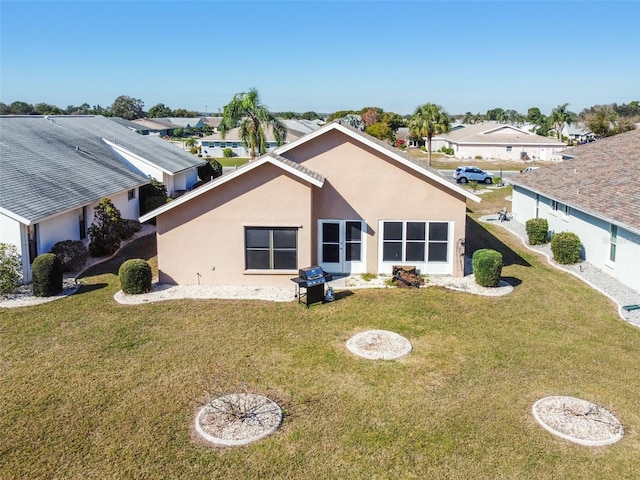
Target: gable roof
<point x="278" y="159"/>
<point x="497" y="133"/>
<point x="290" y="166"/>
<point x="395" y="155"/>
<point x="51" y="164"/>
<point x="599" y="180"/>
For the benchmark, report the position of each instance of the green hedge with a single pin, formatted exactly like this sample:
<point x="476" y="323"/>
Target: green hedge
<point x="537" y="231"/>
<point x="487" y="267"/>
<point x="135" y="276"/>
<point x="566" y="248"/>
<point x="47" y="275"/>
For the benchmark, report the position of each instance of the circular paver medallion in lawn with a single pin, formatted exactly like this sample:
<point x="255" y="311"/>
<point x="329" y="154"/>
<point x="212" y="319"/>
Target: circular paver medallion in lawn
<point x="238" y="419"/>
<point x="379" y="345"/>
<point x="578" y="420"/>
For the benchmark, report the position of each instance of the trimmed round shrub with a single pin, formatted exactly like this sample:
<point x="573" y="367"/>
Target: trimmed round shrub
<point x="537" y="231"/>
<point x="487" y="267"/>
<point x="129" y="227"/>
<point x="135" y="276"/>
<point x="566" y="248"/>
<point x="72" y="254"/>
<point x="47" y="275"/>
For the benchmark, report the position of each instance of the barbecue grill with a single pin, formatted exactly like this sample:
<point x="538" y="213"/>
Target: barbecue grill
<point x="310" y="284"/>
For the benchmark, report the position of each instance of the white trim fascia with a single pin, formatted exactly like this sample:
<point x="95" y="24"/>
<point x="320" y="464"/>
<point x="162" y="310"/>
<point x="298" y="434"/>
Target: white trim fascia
<point x="14" y="216"/>
<point x="596" y="215"/>
<point x="126" y="152"/>
<point x="224" y="179"/>
<point x="503" y="125"/>
<point x="399" y="158"/>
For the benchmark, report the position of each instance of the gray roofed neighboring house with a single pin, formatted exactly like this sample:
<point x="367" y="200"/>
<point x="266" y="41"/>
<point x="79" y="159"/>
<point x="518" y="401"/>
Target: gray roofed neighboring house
<point x="55" y="169"/>
<point x="184" y="122"/>
<point x="595" y="195"/>
<point x="156" y="126"/>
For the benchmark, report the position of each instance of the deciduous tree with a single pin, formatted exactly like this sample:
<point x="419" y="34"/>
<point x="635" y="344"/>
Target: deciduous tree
<point x="127" y="107"/>
<point x="160" y="111"/>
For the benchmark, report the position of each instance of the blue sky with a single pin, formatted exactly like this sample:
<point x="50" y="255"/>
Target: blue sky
<point x="322" y="56"/>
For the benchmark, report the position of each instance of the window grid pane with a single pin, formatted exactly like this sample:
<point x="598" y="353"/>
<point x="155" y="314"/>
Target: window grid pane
<point x="271" y="248"/>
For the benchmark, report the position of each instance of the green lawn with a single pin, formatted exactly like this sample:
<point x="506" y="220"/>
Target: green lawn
<point x="232" y="162"/>
<point x="94" y="389"/>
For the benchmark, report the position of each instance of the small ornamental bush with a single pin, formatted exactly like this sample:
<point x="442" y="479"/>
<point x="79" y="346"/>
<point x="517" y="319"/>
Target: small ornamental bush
<point x="105" y="231"/>
<point x="10" y="268"/>
<point x="537" y="231"/>
<point x="487" y="267"/>
<point x="47" y="275"/>
<point x="135" y="276"/>
<point x="72" y="254"/>
<point x="129" y="227"/>
<point x="566" y="248"/>
<point x="227" y="153"/>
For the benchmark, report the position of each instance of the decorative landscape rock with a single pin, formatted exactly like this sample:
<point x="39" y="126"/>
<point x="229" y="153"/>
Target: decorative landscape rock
<point x="379" y="345"/>
<point x="577" y="420"/>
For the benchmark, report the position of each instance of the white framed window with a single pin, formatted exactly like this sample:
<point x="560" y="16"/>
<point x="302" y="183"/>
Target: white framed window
<point x="509" y="148"/>
<point x="613" y="242"/>
<point x="419" y="241"/>
<point x="131" y="194"/>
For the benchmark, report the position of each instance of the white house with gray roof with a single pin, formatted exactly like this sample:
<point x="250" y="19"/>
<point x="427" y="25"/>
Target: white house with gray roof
<point x="489" y="140"/>
<point x="55" y="170"/>
<point x="596" y="196"/>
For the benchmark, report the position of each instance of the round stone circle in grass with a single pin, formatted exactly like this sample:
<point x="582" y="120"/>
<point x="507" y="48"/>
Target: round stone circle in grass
<point x="577" y="420"/>
<point x="379" y="345"/>
<point x="238" y="419"/>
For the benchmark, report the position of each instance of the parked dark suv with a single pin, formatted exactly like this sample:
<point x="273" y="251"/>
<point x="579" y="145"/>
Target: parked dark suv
<point x="468" y="174"/>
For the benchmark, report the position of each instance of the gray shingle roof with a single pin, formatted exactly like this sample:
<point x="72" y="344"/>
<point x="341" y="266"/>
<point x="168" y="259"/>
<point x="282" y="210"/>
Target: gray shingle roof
<point x="50" y="165"/>
<point x="600" y="180"/>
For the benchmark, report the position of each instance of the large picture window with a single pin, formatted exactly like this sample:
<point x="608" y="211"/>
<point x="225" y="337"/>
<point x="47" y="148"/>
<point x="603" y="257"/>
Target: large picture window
<point x="415" y="241"/>
<point x="269" y="248"/>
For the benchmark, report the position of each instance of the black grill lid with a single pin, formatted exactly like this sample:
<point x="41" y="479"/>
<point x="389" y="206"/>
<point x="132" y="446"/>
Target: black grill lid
<point x="310" y="273"/>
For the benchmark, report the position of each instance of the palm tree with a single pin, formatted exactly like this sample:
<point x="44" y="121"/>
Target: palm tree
<point x="560" y="117"/>
<point x="427" y="121"/>
<point x="247" y="112"/>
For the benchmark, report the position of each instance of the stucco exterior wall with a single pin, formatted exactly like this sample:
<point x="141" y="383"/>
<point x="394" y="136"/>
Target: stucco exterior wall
<point x="489" y="151"/>
<point x="202" y="241"/>
<point x="361" y="183"/>
<point x="594" y="234"/>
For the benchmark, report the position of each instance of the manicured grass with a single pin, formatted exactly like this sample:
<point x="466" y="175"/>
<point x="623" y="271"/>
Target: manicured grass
<point x="232" y="162"/>
<point x="94" y="389"/>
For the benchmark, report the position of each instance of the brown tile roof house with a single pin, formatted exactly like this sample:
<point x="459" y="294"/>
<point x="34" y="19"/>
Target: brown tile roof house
<point x="600" y="180"/>
<point x="597" y="196"/>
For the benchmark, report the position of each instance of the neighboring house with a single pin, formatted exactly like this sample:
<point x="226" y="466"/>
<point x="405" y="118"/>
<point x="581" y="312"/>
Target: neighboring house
<point x="135" y="127"/>
<point x="184" y="122"/>
<point x="54" y="170"/>
<point x="497" y="141"/>
<point x="577" y="133"/>
<point x="596" y="196"/>
<point x="213" y="145"/>
<point x="156" y="126"/>
<point x="336" y="197"/>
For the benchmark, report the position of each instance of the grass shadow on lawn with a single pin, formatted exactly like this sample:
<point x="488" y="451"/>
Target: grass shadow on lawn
<point x="478" y="237"/>
<point x="143" y="247"/>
